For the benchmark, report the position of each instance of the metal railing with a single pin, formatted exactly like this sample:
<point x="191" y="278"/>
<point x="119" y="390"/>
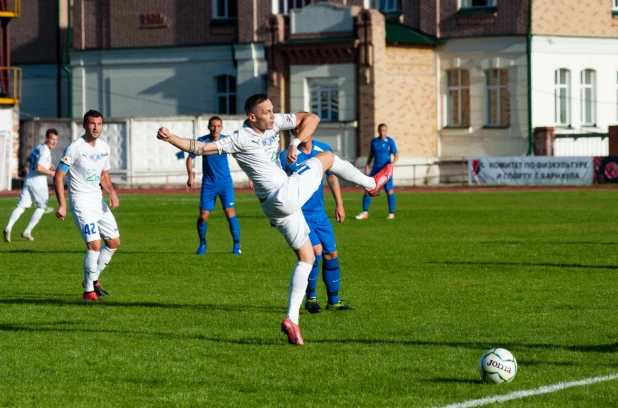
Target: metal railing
<point x="13" y="9"/>
<point x="11" y="84"/>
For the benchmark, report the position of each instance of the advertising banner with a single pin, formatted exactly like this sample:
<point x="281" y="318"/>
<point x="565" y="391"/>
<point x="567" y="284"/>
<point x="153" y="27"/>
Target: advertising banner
<point x="606" y="169"/>
<point x="530" y="171"/>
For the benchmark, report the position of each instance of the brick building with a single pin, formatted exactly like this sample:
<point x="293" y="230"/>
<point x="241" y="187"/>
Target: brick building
<point x="451" y="78"/>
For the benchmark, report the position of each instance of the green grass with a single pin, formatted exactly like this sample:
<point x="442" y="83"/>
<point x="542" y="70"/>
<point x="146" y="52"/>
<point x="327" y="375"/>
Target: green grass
<point x="455" y="274"/>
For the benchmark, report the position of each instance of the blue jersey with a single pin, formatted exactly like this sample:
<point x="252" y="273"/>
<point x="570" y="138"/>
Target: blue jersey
<point x="215" y="167"/>
<point x="316" y="203"/>
<point x="382" y="150"/>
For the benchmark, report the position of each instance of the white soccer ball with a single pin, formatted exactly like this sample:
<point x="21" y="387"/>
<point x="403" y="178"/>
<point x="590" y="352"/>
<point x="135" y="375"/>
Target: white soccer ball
<point x="497" y="365"/>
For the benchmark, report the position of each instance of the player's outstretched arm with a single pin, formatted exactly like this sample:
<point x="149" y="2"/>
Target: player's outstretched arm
<point x="335" y="189"/>
<point x="59" y="187"/>
<point x="187" y="145"/>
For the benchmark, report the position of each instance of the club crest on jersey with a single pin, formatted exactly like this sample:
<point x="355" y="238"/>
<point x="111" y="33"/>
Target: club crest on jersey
<point x="66" y="159"/>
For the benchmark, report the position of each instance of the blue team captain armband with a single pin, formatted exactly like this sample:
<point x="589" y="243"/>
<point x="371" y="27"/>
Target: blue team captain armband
<point x="64" y="167"/>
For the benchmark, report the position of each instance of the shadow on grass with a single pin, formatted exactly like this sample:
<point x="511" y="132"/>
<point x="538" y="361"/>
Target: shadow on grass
<point x="453" y="381"/>
<point x="535" y="243"/>
<point x="63" y="300"/>
<point x="527" y="264"/>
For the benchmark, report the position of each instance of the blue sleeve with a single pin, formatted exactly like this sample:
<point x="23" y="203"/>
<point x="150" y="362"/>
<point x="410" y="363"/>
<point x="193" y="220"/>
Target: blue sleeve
<point x="64" y="167"/>
<point x="393" y="146"/>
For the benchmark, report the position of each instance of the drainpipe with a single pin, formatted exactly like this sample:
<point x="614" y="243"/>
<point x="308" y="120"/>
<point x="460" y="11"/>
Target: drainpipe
<point x="529" y="56"/>
<point x="58" y="67"/>
<point x="65" y="50"/>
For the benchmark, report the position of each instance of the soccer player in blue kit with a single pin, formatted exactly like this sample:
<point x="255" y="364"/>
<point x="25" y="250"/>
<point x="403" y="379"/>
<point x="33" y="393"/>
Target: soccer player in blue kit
<point x="321" y="232"/>
<point x="380" y="151"/>
<point x="216" y="181"/>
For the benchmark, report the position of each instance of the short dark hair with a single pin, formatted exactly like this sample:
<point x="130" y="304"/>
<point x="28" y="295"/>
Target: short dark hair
<point x="380" y="125"/>
<point x="215" y="118"/>
<point x="51" y="131"/>
<point x="92" y="114"/>
<point x="254" y="101"/>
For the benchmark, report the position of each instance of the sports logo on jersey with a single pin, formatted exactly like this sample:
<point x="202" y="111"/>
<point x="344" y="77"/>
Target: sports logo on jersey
<point x="93" y="178"/>
<point x="95" y="157"/>
<point x="288" y="120"/>
<point x="269" y="141"/>
<point x="67" y="159"/>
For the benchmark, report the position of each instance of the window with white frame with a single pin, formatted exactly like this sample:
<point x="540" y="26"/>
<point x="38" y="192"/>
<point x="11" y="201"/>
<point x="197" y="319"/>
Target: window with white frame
<point x="388" y="5"/>
<point x="224" y="9"/>
<point x="226" y="94"/>
<point x="324" y="98"/>
<point x="616" y="95"/>
<point x="562" y="97"/>
<point x="497" y="96"/>
<point x="615" y="5"/>
<point x="458" y="100"/>
<point x="286" y="5"/>
<point x="466" y="4"/>
<point x="588" y="97"/>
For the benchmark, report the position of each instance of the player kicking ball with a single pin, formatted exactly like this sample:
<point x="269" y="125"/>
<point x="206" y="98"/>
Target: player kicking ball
<point x="255" y="147"/>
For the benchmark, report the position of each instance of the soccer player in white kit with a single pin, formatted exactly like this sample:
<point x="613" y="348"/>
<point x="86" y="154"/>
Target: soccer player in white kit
<point x="35" y="189"/>
<point x="255" y="147"/>
<point x="86" y="161"/>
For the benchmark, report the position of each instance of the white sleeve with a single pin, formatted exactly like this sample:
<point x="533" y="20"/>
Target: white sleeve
<point x="284" y="121"/>
<point x="69" y="155"/>
<point x="230" y="144"/>
<point x="106" y="166"/>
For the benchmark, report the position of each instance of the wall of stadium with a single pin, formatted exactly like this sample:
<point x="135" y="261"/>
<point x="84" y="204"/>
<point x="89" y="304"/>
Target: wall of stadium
<point x="40" y="91"/>
<point x="163" y="81"/>
<point x="477" y="55"/>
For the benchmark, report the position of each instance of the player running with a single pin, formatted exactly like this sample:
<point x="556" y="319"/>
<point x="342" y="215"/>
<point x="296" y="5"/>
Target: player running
<point x="255" y="147"/>
<point x="216" y="181"/>
<point x="35" y="189"/>
<point x="86" y="161"/>
<point x="322" y="235"/>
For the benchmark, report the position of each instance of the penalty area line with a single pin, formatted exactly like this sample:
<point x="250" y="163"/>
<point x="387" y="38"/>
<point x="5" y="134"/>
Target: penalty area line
<point x="529" y="393"/>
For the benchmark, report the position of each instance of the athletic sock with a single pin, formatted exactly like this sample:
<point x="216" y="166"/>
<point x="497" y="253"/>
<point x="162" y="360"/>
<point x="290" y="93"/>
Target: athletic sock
<point x="298" y="284"/>
<point x="234" y="229"/>
<point x="331" y="274"/>
<point x="313" y="278"/>
<point x="201" y="230"/>
<point x="34" y="220"/>
<point x="391" y="203"/>
<point x="348" y="172"/>
<point x="366" y="202"/>
<point x="104" y="257"/>
<point x="14" y="217"/>
<point x="90" y="269"/>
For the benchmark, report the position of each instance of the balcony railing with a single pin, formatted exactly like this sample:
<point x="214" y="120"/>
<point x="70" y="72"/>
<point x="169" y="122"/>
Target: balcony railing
<point x="10" y="85"/>
<point x="13" y="9"/>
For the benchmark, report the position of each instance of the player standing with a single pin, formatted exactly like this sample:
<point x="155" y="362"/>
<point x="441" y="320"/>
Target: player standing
<point x="382" y="147"/>
<point x="255" y="147"/>
<point x="216" y="181"/>
<point x="322" y="235"/>
<point x="86" y="161"/>
<point x="35" y="189"/>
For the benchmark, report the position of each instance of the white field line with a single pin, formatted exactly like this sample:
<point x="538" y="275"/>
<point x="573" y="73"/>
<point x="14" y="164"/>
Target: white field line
<point x="537" y="391"/>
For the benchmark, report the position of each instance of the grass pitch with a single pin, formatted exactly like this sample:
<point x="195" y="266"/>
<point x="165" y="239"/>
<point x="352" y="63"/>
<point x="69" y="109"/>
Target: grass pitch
<point x="455" y="274"/>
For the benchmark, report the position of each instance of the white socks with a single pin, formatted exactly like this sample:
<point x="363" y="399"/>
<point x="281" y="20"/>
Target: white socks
<point x="298" y="286"/>
<point x="347" y="171"/>
<point x="14" y="217"/>
<point x="90" y="270"/>
<point x="34" y="220"/>
<point x="104" y="258"/>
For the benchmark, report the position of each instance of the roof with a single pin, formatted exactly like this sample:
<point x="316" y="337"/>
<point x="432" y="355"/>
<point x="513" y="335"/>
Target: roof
<point x="403" y="34"/>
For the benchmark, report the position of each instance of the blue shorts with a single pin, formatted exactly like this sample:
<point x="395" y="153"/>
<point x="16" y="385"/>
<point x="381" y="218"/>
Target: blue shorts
<point x="389" y="184"/>
<point x="209" y="195"/>
<point x="321" y="231"/>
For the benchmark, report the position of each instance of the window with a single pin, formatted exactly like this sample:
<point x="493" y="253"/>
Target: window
<point x="458" y="103"/>
<point x="478" y="3"/>
<point x="324" y="98"/>
<point x="286" y="5"/>
<point x="388" y="5"/>
<point x="497" y="97"/>
<point x="562" y="97"/>
<point x="224" y="9"/>
<point x="226" y="94"/>
<point x="615" y="6"/>
<point x="588" y="97"/>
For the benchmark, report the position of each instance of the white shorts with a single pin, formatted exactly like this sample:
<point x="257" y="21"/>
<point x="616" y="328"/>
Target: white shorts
<point x="94" y="220"/>
<point x="34" y="193"/>
<point x="283" y="207"/>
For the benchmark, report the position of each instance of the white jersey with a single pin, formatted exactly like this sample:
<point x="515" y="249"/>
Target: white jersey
<point x="86" y="163"/>
<point x="41" y="155"/>
<point x="258" y="154"/>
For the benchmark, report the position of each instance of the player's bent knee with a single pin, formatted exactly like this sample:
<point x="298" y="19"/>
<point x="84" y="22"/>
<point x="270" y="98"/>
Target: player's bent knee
<point x="113" y="243"/>
<point x="331" y="255"/>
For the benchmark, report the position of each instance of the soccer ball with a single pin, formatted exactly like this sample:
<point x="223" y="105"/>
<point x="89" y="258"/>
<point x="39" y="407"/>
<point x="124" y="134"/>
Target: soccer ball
<point x="497" y="365"/>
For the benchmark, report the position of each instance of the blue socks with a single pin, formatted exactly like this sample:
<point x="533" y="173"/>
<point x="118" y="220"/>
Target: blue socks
<point x="391" y="203"/>
<point x="201" y="230"/>
<point x="234" y="229"/>
<point x="366" y="202"/>
<point x="313" y="278"/>
<point x="331" y="273"/>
